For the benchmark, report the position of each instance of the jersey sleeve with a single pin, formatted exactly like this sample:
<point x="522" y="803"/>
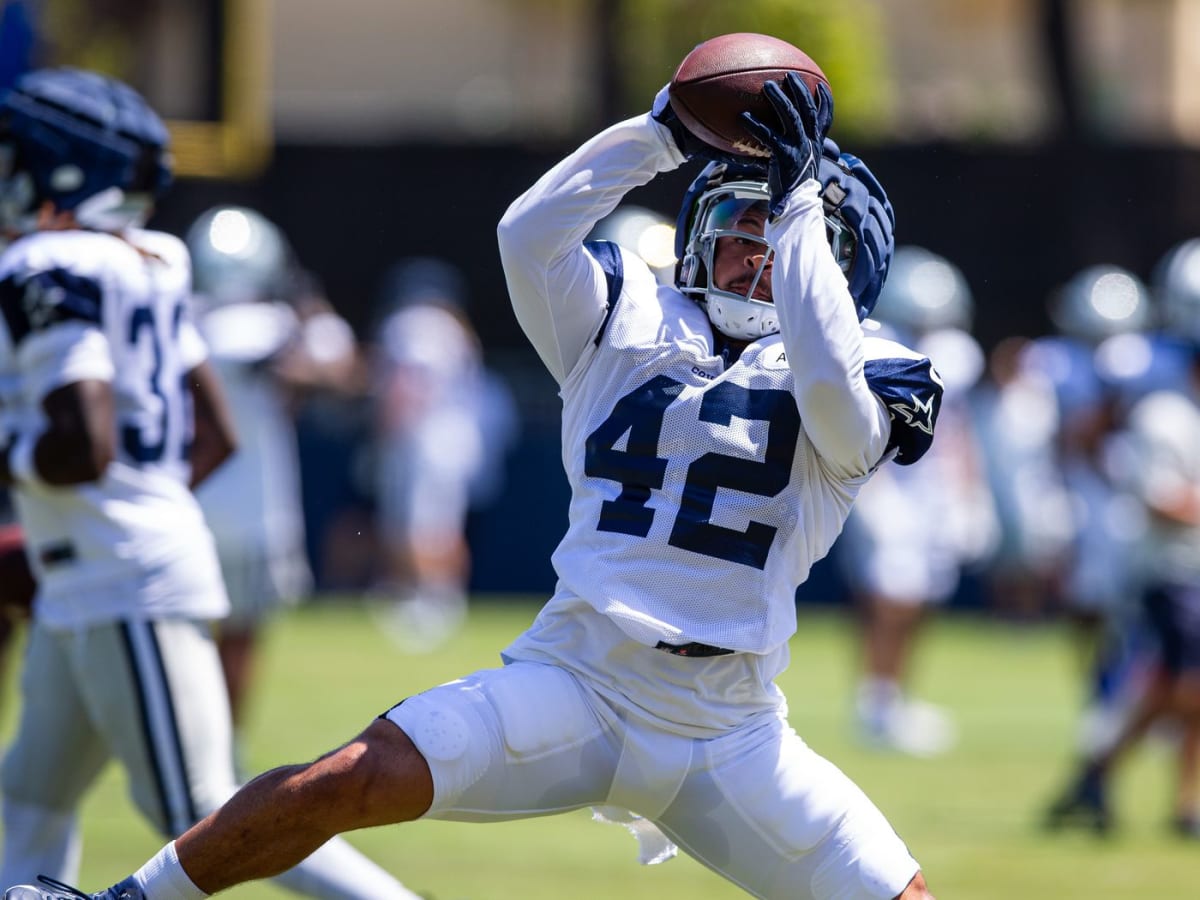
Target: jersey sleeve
<point x="911" y="392"/>
<point x="53" y="319"/>
<point x="560" y="288"/>
<point x="819" y="326"/>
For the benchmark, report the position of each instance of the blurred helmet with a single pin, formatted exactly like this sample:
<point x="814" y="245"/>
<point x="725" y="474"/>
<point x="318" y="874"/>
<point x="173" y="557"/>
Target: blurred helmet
<point x="714" y="203"/>
<point x="1099" y="302"/>
<point x="924" y="292"/>
<point x="645" y="233"/>
<point x="1177" y="287"/>
<point x="85" y="142"/>
<point x="420" y="281"/>
<point x="238" y="256"/>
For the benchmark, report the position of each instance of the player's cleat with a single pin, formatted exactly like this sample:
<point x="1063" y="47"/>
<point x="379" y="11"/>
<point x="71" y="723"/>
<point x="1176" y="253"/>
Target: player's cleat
<point x="52" y="889"/>
<point x="1084" y="805"/>
<point x="908" y="726"/>
<point x="1187" y="827"/>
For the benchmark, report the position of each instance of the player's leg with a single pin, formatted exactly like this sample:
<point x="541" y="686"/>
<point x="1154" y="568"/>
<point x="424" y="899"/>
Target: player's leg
<point x="506" y="743"/>
<point x="1187" y="706"/>
<point x="259" y="584"/>
<point x="281" y="817"/>
<point x="765" y="811"/>
<point x="167" y="717"/>
<point x="54" y="757"/>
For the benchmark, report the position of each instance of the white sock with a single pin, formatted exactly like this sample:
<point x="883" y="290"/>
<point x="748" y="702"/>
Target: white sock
<point x="877" y="691"/>
<point x="163" y="878"/>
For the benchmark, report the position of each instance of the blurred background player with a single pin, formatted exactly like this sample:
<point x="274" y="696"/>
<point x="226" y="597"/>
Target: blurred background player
<point x="1164" y="434"/>
<point x="273" y="342"/>
<point x="443" y="425"/>
<point x="117" y="415"/>
<point x="914" y="528"/>
<point x="1098" y="363"/>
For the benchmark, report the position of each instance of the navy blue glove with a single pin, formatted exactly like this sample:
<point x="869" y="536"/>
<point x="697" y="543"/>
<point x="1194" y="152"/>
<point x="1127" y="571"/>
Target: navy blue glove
<point x="689" y="145"/>
<point x="853" y="195"/>
<point x="797" y="140"/>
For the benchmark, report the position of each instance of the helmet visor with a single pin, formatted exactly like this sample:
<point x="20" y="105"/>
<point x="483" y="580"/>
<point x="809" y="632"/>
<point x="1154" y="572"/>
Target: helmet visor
<point x="731" y="212"/>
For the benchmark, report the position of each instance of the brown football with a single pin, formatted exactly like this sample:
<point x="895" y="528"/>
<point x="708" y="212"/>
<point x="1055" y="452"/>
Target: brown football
<point x="724" y="77"/>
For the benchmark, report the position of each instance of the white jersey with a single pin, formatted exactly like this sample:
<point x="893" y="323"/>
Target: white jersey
<point x="431" y="376"/>
<point x="702" y="492"/>
<point x="1164" y="428"/>
<point x="81" y="305"/>
<point x="253" y="501"/>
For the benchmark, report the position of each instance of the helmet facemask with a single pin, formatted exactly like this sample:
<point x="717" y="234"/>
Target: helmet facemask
<point x="715" y="214"/>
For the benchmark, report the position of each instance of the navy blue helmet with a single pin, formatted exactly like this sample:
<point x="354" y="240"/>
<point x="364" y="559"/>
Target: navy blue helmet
<point x="859" y="224"/>
<point x="85" y="142"/>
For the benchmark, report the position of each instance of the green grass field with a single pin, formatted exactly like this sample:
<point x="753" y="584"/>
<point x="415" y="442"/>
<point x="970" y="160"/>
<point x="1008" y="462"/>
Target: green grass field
<point x="971" y="817"/>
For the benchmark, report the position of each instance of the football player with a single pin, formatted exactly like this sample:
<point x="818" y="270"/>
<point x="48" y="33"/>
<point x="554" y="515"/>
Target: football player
<point x="118" y="414"/>
<point x="1164" y="435"/>
<point x="715" y="433"/>
<point x="914" y="529"/>
<point x="269" y="354"/>
<point x="442" y="423"/>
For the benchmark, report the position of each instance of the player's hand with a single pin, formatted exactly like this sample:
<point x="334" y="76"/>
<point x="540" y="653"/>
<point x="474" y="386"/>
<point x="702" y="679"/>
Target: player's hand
<point x="689" y="145"/>
<point x="796" y="142"/>
<point x="848" y="186"/>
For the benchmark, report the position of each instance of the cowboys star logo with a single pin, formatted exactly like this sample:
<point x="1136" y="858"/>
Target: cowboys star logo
<point x="918" y="415"/>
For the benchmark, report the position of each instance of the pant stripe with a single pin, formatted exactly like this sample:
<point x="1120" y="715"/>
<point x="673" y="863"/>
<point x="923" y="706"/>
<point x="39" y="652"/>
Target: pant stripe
<point x="160" y="727"/>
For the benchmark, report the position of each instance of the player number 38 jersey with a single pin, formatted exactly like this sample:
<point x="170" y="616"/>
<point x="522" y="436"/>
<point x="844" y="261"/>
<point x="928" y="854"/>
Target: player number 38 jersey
<point x="81" y="305"/>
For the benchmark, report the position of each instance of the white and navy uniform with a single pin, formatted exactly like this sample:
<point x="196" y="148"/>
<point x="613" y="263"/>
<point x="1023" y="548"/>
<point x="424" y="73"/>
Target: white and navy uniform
<point x="1164" y="428"/>
<point x="253" y="502"/>
<point x="433" y="440"/>
<point x="120" y="661"/>
<point x="702" y="493"/>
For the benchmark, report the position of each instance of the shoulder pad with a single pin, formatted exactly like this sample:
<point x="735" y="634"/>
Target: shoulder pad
<point x="39" y="300"/>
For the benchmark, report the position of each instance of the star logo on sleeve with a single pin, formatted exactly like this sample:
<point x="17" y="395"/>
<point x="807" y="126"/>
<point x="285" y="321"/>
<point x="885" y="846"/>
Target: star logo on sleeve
<point x="918" y="415"/>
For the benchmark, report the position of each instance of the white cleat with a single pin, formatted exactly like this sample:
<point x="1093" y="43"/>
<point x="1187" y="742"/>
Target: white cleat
<point x="52" y="889"/>
<point x="908" y="726"/>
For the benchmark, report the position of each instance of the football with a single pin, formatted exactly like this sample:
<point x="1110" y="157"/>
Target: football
<point x="724" y="77"/>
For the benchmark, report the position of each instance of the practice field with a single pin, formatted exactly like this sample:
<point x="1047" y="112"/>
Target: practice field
<point x="972" y="817"/>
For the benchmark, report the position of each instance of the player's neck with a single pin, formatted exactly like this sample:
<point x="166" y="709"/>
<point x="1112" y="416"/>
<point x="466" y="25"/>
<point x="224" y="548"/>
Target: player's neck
<point x="729" y="349"/>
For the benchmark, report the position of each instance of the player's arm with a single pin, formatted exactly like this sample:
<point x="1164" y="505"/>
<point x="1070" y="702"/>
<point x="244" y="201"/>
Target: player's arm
<point x="77" y="443"/>
<point x="214" y="438"/>
<point x="817" y="315"/>
<point x="559" y="290"/>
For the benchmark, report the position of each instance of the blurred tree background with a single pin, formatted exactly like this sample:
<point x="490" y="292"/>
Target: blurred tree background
<point x="847" y="39"/>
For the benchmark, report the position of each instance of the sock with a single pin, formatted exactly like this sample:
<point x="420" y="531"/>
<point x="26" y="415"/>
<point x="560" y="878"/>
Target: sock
<point x="877" y="697"/>
<point x="163" y="878"/>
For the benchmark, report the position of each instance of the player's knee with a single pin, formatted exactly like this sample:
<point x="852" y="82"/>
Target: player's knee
<point x="379" y="778"/>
